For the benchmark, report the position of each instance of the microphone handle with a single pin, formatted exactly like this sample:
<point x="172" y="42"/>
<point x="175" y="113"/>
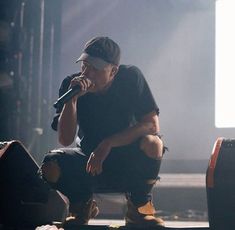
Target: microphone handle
<point x="67" y="96"/>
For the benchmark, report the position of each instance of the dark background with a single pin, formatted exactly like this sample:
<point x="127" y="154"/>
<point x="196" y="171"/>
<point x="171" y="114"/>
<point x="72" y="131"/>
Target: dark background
<point x="172" y="41"/>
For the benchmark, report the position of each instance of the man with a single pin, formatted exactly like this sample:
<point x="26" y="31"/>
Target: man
<point x="120" y="148"/>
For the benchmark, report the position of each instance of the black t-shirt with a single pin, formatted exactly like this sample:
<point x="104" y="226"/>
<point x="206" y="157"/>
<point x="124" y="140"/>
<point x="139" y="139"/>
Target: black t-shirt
<point x="101" y="115"/>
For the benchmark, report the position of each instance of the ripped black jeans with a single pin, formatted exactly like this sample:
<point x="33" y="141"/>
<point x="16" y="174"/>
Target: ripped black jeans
<point x="126" y="169"/>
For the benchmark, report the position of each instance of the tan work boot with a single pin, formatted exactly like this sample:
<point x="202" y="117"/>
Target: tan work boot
<point x="81" y="213"/>
<point x="142" y="216"/>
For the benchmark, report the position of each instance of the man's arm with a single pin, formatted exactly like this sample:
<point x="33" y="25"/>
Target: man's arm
<point x="67" y="123"/>
<point x="148" y="125"/>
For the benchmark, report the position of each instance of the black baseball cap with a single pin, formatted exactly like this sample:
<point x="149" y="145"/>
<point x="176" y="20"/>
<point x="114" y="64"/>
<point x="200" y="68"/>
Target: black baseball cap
<point x="101" y="51"/>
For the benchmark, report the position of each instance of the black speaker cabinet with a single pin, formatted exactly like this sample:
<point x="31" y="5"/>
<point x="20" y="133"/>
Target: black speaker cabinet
<point x="220" y="182"/>
<point x="25" y="199"/>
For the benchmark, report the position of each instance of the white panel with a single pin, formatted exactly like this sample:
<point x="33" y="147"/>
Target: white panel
<point x="225" y="64"/>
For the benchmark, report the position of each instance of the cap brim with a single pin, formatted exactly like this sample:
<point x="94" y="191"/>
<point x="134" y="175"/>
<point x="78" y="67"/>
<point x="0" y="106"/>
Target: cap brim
<point x="98" y="63"/>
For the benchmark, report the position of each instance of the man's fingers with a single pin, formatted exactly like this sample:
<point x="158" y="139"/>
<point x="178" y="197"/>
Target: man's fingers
<point x="83" y="81"/>
<point x="88" y="167"/>
<point x="99" y="170"/>
<point x="94" y="169"/>
<point x="94" y="166"/>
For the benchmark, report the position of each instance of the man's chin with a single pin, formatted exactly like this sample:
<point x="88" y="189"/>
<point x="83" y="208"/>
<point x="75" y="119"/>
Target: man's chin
<point x="94" y="90"/>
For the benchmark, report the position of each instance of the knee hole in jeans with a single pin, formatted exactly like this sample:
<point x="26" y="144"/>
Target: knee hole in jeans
<point x="50" y="171"/>
<point x="152" y="146"/>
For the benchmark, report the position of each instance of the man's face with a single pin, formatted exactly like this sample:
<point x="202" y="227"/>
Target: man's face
<point x="101" y="78"/>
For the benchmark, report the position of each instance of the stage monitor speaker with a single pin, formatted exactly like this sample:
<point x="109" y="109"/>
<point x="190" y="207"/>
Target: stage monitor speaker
<point x="25" y="199"/>
<point x="220" y="182"/>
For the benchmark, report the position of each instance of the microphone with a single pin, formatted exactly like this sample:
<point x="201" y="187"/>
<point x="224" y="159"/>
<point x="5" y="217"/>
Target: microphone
<point x="67" y="96"/>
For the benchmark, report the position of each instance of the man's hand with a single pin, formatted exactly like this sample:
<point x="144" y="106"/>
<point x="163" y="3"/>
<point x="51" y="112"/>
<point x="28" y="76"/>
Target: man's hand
<point x="96" y="159"/>
<point x="84" y="83"/>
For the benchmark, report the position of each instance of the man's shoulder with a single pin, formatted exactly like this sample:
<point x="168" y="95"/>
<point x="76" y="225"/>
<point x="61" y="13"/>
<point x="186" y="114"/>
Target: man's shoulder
<point x="130" y="73"/>
<point x="129" y="69"/>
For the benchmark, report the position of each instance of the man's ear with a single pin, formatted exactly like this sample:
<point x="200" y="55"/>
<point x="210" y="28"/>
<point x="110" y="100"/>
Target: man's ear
<point x="114" y="70"/>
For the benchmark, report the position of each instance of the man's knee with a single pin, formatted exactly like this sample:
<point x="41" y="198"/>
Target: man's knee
<point x="152" y="146"/>
<point x="50" y="171"/>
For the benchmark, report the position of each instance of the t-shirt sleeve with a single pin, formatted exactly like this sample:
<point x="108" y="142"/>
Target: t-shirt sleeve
<point x="63" y="89"/>
<point x="144" y="102"/>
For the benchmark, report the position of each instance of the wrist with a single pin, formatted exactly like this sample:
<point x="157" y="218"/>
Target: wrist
<point x="72" y="103"/>
<point x="108" y="142"/>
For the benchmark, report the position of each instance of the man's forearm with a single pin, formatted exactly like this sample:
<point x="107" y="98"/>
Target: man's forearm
<point x="67" y="124"/>
<point x="131" y="134"/>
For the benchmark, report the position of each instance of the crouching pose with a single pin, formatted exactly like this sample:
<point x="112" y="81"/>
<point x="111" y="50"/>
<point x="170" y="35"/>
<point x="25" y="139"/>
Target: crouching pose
<point x="120" y="148"/>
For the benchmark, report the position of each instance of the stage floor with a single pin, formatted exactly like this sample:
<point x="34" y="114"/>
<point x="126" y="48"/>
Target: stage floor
<point x="118" y="224"/>
<point x="105" y="224"/>
<point x="173" y="224"/>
